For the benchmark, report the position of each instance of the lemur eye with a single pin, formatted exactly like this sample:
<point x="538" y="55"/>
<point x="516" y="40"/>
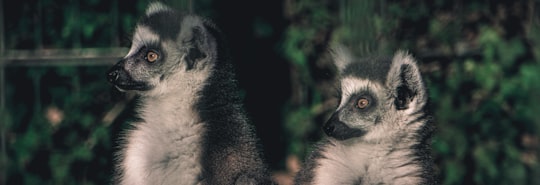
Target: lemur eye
<point x="362" y="103"/>
<point x="151" y="56"/>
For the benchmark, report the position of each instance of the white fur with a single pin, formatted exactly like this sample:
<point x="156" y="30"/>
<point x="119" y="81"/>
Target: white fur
<point x="186" y="33"/>
<point x="377" y="133"/>
<point x="350" y="85"/>
<point x="387" y="132"/>
<point x="384" y="155"/>
<point x="142" y="35"/>
<point x="176" y="136"/>
<point x="165" y="148"/>
<point x="382" y="132"/>
<point x="380" y="155"/>
<point x="342" y="57"/>
<point x="403" y="58"/>
<point x="156" y="7"/>
<point x="344" y="162"/>
<point x="370" y="156"/>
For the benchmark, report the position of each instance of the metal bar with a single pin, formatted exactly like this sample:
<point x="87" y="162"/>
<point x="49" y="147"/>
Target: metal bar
<point x="70" y="57"/>
<point x="61" y="62"/>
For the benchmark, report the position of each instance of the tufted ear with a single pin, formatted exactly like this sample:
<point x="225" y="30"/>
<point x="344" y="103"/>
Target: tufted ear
<point x="405" y="83"/>
<point x="342" y="57"/>
<point x="198" y="39"/>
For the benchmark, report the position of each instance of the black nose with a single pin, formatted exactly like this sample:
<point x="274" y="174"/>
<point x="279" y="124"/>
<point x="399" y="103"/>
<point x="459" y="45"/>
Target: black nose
<point x="329" y="129"/>
<point x="337" y="129"/>
<point x="113" y="75"/>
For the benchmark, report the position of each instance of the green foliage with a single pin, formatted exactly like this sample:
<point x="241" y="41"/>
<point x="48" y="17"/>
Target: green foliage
<point x="69" y="23"/>
<point x="496" y="95"/>
<point x="312" y="21"/>
<point x="295" y="46"/>
<point x="61" y="141"/>
<point x="483" y="105"/>
<point x="484" y="101"/>
<point x="482" y="76"/>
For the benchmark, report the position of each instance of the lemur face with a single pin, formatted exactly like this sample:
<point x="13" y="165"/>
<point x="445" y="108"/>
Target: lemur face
<point x="140" y="71"/>
<point x="359" y="110"/>
<point x="166" y="46"/>
<point x="147" y="61"/>
<point x="378" y="98"/>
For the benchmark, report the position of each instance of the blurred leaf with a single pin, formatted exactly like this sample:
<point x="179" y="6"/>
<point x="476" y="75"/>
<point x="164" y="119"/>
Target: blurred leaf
<point x="489" y="39"/>
<point x="485" y="162"/>
<point x="61" y="167"/>
<point x="509" y="52"/>
<point x="294" y="46"/>
<point x="455" y="172"/>
<point x="299" y="122"/>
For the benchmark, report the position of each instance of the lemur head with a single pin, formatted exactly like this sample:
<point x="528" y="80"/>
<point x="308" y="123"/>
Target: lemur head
<point x="167" y="47"/>
<point x="381" y="99"/>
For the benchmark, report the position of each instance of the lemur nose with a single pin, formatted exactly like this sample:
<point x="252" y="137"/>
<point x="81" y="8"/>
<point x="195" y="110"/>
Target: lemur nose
<point x="112" y="76"/>
<point x="339" y="130"/>
<point x="330" y="126"/>
<point x="329" y="129"/>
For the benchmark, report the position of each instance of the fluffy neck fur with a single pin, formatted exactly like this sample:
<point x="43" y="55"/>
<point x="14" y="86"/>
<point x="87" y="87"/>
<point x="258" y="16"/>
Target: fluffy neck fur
<point x="164" y="148"/>
<point x="366" y="163"/>
<point x="404" y="160"/>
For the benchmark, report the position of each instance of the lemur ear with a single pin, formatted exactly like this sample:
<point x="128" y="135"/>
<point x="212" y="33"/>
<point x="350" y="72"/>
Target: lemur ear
<point x="155" y="7"/>
<point x="342" y="57"/>
<point x="197" y="39"/>
<point x="406" y="83"/>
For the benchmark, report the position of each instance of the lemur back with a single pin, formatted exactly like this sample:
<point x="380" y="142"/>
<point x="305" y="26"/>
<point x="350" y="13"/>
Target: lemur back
<point x="380" y="132"/>
<point x="192" y="127"/>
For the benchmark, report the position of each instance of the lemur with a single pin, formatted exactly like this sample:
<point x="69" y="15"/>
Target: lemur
<point x="192" y="127"/>
<point x="380" y="132"/>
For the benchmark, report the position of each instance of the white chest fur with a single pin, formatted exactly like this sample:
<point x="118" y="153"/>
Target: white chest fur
<point x="165" y="149"/>
<point x="366" y="163"/>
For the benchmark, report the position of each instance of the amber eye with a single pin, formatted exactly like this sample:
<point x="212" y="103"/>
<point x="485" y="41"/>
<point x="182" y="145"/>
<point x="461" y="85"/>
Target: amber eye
<point x="151" y="56"/>
<point x="362" y="103"/>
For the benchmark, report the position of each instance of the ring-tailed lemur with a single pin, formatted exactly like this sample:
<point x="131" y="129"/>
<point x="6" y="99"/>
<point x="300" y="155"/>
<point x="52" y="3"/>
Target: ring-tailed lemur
<point x="380" y="132"/>
<point x="193" y="128"/>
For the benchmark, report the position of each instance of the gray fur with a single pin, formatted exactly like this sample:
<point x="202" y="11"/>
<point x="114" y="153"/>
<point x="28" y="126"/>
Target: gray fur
<point x="388" y="141"/>
<point x="192" y="128"/>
